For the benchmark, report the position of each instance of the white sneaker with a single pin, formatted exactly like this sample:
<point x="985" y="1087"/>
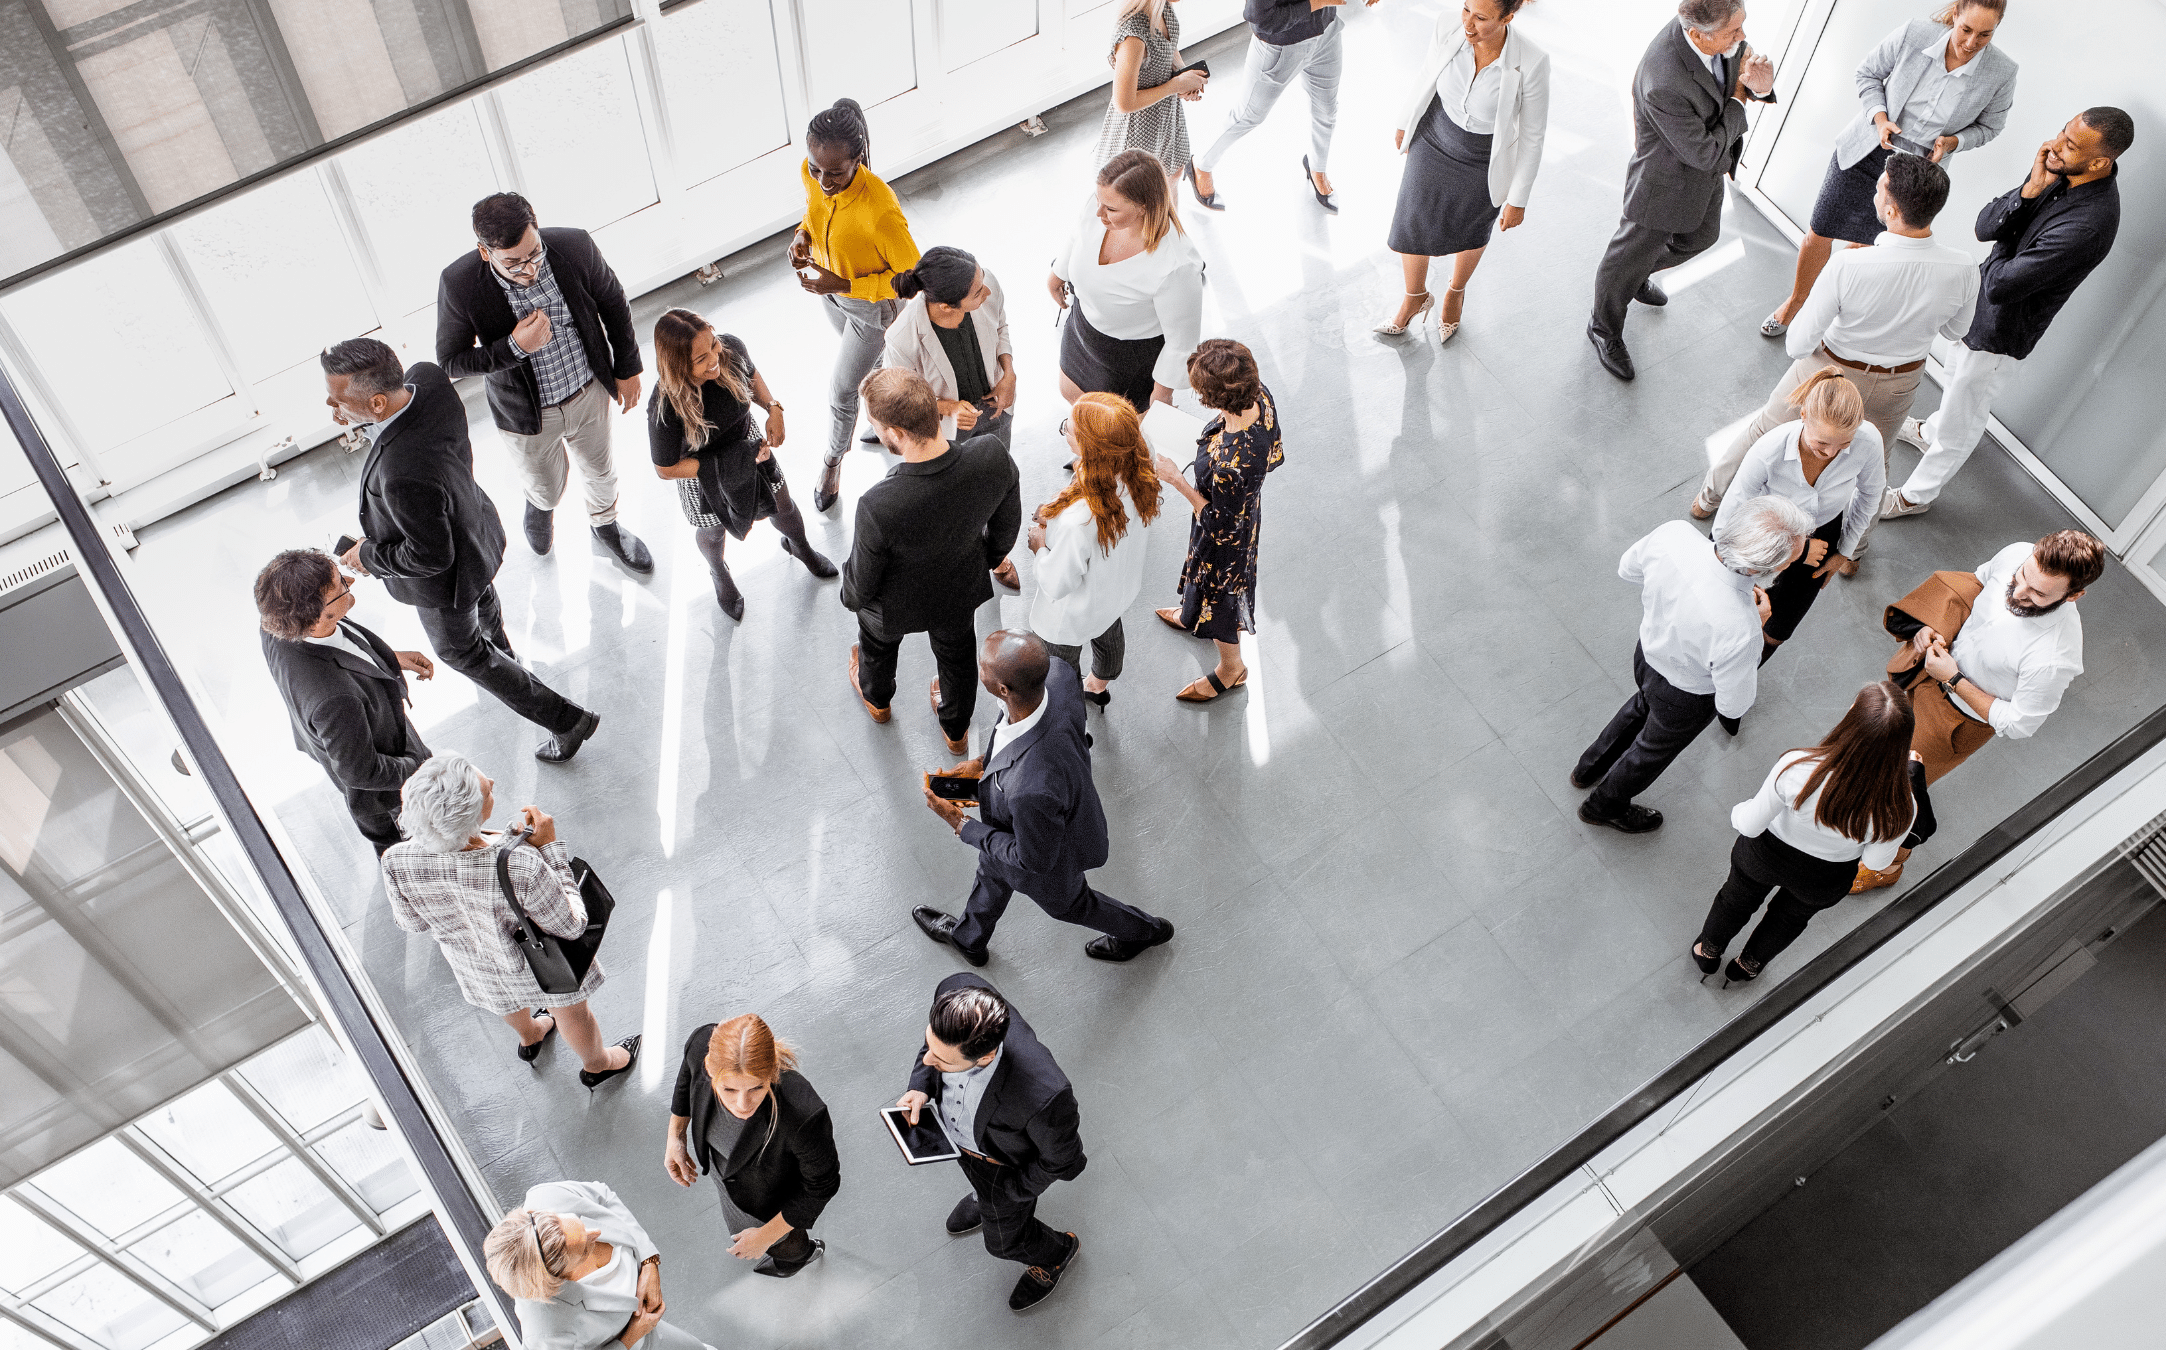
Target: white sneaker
<point x="1893" y="504"/>
<point x="1913" y="433"/>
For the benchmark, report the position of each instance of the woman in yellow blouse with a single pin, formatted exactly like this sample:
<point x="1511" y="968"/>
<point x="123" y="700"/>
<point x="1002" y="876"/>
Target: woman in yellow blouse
<point x="847" y="250"/>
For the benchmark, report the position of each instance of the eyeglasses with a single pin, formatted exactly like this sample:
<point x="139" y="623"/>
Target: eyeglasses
<point x="527" y="265"/>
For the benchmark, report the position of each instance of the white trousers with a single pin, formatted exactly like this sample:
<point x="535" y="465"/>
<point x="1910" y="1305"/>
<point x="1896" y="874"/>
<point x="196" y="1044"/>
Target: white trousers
<point x="1974" y="378"/>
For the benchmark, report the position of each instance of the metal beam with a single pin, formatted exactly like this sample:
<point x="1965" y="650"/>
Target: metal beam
<point x="221" y="1211"/>
<point x="324" y="1172"/>
<point x="129" y="1265"/>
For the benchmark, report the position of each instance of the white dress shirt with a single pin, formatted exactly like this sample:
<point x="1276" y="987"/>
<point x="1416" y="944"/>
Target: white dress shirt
<point x="1849" y="486"/>
<point x="1005" y="731"/>
<point x="1924" y="117"/>
<point x="345" y="641"/>
<point x="1698" y="626"/>
<point x="960" y="1094"/>
<point x="1880" y="306"/>
<point x="1470" y="96"/>
<point x="1081" y="588"/>
<point x="1157" y="292"/>
<point x="1772" y="809"/>
<point x="2026" y="664"/>
<point x="1713" y="63"/>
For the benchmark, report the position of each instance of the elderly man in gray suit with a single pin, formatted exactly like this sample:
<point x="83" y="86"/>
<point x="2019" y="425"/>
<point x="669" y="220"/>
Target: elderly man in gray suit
<point x="1688" y="106"/>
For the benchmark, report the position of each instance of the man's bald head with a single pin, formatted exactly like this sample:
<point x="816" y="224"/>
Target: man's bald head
<point x="1014" y="665"/>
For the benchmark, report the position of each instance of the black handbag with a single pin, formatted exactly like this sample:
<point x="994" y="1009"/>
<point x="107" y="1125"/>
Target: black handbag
<point x="560" y="965"/>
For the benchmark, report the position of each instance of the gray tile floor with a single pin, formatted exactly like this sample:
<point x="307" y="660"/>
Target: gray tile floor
<point x="1405" y="970"/>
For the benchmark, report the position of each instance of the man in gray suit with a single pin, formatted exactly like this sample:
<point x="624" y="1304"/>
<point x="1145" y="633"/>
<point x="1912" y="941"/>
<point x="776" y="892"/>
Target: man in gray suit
<point x="1688" y="106"/>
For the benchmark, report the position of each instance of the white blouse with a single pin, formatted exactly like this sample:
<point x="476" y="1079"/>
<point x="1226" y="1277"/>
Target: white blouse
<point x="1081" y="589"/>
<point x="1156" y="293"/>
<point x="1771" y="809"/>
<point x="1470" y="97"/>
<point x="1850" y="485"/>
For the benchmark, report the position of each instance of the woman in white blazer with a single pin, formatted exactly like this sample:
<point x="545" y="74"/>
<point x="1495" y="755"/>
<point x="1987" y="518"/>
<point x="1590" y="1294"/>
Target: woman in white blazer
<point x="1933" y="87"/>
<point x="585" y="1273"/>
<point x="1093" y="536"/>
<point x="1471" y="129"/>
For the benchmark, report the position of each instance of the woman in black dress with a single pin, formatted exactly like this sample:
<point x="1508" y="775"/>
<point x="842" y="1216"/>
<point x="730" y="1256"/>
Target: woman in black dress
<point x="1238" y="447"/>
<point x="699" y="431"/>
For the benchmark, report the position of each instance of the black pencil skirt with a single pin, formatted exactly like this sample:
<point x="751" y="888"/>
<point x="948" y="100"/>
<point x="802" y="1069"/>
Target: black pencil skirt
<point x="1110" y="365"/>
<point x="1444" y="205"/>
<point x="1844" y="209"/>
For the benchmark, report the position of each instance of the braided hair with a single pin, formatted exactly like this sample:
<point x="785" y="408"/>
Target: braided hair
<point x="842" y="124"/>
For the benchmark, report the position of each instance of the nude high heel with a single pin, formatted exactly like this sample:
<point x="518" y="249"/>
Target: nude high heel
<point x="1445" y="330"/>
<point x="1395" y="329"/>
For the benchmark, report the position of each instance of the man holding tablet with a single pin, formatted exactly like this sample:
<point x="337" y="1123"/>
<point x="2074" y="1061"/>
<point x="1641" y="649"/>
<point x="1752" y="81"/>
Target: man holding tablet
<point x="1010" y="1114"/>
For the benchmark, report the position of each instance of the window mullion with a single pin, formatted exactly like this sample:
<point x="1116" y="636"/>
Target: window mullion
<point x="496" y="139"/>
<point x="650" y="92"/>
<point x="214" y="331"/>
<point x="223" y="1213"/>
<point x="55" y="413"/>
<point x="126" y="1263"/>
<point x="324" y="1172"/>
<point x="42" y="1326"/>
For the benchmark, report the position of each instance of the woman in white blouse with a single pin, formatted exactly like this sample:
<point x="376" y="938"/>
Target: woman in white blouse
<point x="1094" y="539"/>
<point x="584" y="1272"/>
<point x="1858" y="796"/>
<point x="1471" y="129"/>
<point x="1829" y="462"/>
<point x="1138" y="286"/>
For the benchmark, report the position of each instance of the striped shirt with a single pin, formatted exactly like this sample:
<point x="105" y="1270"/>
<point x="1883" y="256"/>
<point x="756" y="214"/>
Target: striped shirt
<point x="560" y="367"/>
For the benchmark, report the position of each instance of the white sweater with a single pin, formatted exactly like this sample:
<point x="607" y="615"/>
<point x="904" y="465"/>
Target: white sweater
<point x="1082" y="590"/>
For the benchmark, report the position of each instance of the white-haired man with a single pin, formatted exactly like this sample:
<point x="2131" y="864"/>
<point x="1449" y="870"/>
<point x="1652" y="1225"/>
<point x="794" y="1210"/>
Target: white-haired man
<point x="1698" y="658"/>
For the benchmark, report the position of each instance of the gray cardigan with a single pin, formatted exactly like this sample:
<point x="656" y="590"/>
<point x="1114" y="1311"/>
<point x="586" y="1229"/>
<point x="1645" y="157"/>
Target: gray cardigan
<point x="566" y="1322"/>
<point x="1891" y="71"/>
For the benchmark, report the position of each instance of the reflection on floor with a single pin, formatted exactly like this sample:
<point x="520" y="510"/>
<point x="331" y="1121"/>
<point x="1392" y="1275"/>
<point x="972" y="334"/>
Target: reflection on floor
<point x="1405" y="970"/>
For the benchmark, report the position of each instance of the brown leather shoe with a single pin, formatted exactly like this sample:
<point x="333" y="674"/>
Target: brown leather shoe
<point x="878" y="714"/>
<point x="1869" y="880"/>
<point x="1005" y="575"/>
<point x="959" y="748"/>
<point x="1700" y="508"/>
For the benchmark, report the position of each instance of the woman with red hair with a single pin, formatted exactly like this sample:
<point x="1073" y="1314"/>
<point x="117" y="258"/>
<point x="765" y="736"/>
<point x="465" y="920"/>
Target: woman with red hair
<point x="1093" y="564"/>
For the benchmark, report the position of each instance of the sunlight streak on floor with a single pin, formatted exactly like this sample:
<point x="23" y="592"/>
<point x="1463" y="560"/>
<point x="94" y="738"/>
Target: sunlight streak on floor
<point x="670" y="753"/>
<point x="1723" y="436"/>
<point x="1683" y="278"/>
<point x="654" y="1022"/>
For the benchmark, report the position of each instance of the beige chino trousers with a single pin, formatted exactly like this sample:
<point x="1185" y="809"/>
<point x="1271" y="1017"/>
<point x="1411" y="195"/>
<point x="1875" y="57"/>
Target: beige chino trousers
<point x="576" y="429"/>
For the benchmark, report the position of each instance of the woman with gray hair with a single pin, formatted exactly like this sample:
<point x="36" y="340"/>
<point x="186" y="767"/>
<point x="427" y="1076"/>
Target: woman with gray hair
<point x="584" y="1271"/>
<point x="442" y="881"/>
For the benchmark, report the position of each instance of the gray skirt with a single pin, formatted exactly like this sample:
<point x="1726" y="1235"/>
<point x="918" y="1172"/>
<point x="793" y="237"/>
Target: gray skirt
<point x="1444" y="203"/>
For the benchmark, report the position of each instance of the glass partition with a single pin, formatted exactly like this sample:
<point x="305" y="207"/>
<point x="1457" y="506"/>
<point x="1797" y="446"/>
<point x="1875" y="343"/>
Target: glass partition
<point x="723" y="84"/>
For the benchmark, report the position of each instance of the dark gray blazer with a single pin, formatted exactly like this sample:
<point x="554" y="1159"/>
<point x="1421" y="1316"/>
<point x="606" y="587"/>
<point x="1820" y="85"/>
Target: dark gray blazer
<point x="1689" y="133"/>
<point x="431" y="535"/>
<point x="349" y="716"/>
<point x="1028" y="1120"/>
<point x="1040" y="825"/>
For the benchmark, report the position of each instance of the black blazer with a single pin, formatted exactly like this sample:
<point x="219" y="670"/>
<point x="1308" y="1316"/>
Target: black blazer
<point x="1687" y="134"/>
<point x="349" y="716"/>
<point x="794" y="1173"/>
<point x="2042" y="250"/>
<point x="431" y="534"/>
<point x="928" y="535"/>
<point x="474" y="323"/>
<point x="1040" y="826"/>
<point x="1028" y="1119"/>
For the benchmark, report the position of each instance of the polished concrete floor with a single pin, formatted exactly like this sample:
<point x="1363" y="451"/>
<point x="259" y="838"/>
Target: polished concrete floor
<point x="1404" y="970"/>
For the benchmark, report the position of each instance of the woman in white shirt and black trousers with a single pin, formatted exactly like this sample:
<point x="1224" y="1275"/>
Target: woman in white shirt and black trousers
<point x="1138" y="287"/>
<point x="1094" y="538"/>
<point x="1857" y="796"/>
<point x="1471" y="129"/>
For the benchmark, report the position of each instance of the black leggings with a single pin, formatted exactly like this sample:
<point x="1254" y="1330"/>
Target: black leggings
<point x="1795" y="588"/>
<point x="1802" y="884"/>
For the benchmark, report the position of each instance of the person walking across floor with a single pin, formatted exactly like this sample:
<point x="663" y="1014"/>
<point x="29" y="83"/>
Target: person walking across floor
<point x="700" y="433"/>
<point x="2047" y="234"/>
<point x="1698" y="655"/>
<point x="1990" y="653"/>
<point x="442" y="881"/>
<point x="1290" y="40"/>
<point x="539" y="315"/>
<point x="1688" y="111"/>
<point x="1873" y="313"/>
<point x="1932" y="87"/>
<point x="1828" y="463"/>
<point x="927" y="537"/>
<point x="343" y="687"/>
<point x="1471" y="128"/>
<point x="1238" y="447"/>
<point x="585" y="1274"/>
<point x="1137" y="281"/>
<point x="1851" y="801"/>
<point x="1094" y="537"/>
<point x="953" y="330"/>
<point x="743" y="1113"/>
<point x="1149" y="85"/>
<point x="431" y="535"/>
<point x="1040" y="825"/>
<point x="849" y="246"/>
<point x="1002" y="1100"/>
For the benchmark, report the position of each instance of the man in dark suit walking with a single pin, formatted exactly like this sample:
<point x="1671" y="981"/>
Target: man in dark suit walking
<point x="539" y="314"/>
<point x="1042" y="825"/>
<point x="1007" y="1106"/>
<point x="342" y="686"/>
<point x="927" y="536"/>
<point x="431" y="534"/>
<point x="1688" y="111"/>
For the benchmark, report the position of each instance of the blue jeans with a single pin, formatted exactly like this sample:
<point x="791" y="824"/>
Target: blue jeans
<point x="1270" y="69"/>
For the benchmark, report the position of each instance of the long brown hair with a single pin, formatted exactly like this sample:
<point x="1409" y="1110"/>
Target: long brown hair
<point x="1140" y="176"/>
<point x="1861" y="769"/>
<point x="674" y="334"/>
<point x="746" y="1044"/>
<point x="1109" y="451"/>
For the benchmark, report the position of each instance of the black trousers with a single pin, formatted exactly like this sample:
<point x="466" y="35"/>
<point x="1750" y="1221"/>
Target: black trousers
<point x="955" y="656"/>
<point x="472" y="641"/>
<point x="1084" y="907"/>
<point x="1013" y="1231"/>
<point x="1637" y="252"/>
<point x="375" y="814"/>
<point x="1791" y="594"/>
<point x="1800" y="884"/>
<point x="1652" y="728"/>
<point x="1109" y="653"/>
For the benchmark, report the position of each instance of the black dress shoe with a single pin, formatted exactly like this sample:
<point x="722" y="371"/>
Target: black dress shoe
<point x="815" y="561"/>
<point x="965" y="1219"/>
<point x="1213" y="202"/>
<point x="868" y="437"/>
<point x="591" y="1081"/>
<point x="781" y="1270"/>
<point x="565" y="744"/>
<point x="541" y="528"/>
<point x="1101" y="698"/>
<point x="626" y="546"/>
<point x="1584" y="783"/>
<point x="1323" y="198"/>
<point x="1651" y="294"/>
<point x="823" y="497"/>
<point x="940" y="927"/>
<point x="1636" y="819"/>
<point x="1039" y="1281"/>
<point x="530" y="1053"/>
<point x="1615" y="359"/>
<point x="1110" y="948"/>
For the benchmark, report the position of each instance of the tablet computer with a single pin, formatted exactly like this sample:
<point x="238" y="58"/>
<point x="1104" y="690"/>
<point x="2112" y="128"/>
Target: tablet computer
<point x="924" y="1142"/>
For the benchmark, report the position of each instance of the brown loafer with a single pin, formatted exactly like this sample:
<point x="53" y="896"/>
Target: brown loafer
<point x="878" y="714"/>
<point x="1005" y="575"/>
<point x="956" y="746"/>
<point x="1171" y="618"/>
<point x="1700" y="509"/>
<point x="1869" y="880"/>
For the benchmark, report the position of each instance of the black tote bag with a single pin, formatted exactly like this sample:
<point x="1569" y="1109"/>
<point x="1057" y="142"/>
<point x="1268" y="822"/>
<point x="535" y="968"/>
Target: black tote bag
<point x="560" y="965"/>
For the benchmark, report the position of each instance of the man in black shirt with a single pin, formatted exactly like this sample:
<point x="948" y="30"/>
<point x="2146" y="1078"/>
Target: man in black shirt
<point x="2047" y="236"/>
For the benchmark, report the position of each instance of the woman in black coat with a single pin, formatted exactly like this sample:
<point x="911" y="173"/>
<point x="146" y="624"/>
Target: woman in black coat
<point x="743" y="1113"/>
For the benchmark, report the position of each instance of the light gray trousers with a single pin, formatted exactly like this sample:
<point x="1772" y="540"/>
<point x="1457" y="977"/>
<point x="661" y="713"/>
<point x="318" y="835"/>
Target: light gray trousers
<point x="862" y="325"/>
<point x="1316" y="62"/>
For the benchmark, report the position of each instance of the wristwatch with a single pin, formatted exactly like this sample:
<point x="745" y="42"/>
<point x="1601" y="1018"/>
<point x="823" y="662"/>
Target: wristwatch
<point x="1948" y="686"/>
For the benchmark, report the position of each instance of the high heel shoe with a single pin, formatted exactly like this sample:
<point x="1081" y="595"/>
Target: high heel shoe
<point x="1739" y="972"/>
<point x="815" y="561"/>
<point x="1395" y="329"/>
<point x="1323" y="198"/>
<point x="530" y="1053"/>
<point x="1445" y="330"/>
<point x="591" y="1081"/>
<point x="1102" y="697"/>
<point x="727" y="595"/>
<point x="1707" y="964"/>
<point x="1209" y="203"/>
